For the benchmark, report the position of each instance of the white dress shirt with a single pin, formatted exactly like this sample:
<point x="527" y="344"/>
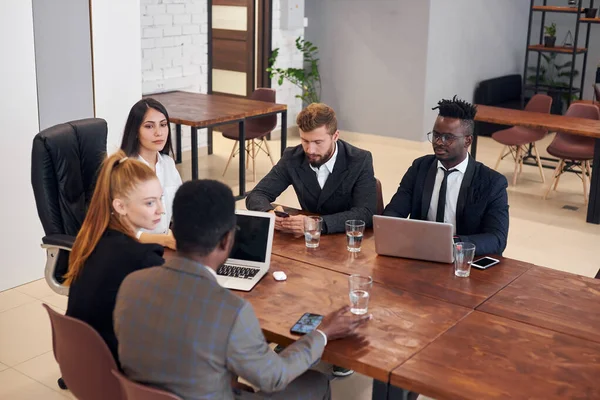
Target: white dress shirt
<point x="169" y="179"/>
<point x="454" y="182"/>
<point x="326" y="169"/>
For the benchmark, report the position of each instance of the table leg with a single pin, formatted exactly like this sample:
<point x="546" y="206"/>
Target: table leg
<point x="194" y="153"/>
<point x="209" y="136"/>
<point x="242" y="158"/>
<point x="178" y="144"/>
<point x="474" y="145"/>
<point x="593" y="214"/>
<point x="283" y="131"/>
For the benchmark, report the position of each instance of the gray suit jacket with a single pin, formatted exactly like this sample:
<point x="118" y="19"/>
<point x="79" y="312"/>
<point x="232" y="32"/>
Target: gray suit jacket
<point x="350" y="192"/>
<point x="180" y="331"/>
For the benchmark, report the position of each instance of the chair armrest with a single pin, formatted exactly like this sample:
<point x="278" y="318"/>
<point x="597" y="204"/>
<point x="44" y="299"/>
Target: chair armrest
<point x="64" y="242"/>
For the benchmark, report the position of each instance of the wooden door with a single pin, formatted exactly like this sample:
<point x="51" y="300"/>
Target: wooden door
<point x="232" y="45"/>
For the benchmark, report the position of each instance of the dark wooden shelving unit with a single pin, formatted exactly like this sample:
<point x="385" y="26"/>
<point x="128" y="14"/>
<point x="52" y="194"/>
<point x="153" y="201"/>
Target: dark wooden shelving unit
<point x="574" y="51"/>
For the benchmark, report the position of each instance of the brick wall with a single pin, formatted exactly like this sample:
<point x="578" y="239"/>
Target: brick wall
<point x="175" y="47"/>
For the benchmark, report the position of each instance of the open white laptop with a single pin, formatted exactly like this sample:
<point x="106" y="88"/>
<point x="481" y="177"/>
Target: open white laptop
<point x="251" y="254"/>
<point x="411" y="238"/>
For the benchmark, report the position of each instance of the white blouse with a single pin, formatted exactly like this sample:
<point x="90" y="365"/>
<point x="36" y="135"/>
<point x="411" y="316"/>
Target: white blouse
<point x="169" y="179"/>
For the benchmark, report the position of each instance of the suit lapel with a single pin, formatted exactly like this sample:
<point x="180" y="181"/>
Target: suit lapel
<point x="309" y="179"/>
<point x="335" y="179"/>
<point x="464" y="190"/>
<point x="428" y="189"/>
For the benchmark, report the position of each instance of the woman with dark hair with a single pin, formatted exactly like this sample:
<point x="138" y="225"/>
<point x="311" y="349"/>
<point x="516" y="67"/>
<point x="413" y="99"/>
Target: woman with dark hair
<point x="147" y="137"/>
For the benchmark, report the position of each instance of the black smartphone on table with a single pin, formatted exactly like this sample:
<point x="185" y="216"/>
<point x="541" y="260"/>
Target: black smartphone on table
<point x="484" y="263"/>
<point x="306" y="324"/>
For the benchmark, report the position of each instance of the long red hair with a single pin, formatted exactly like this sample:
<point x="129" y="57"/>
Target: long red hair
<point x="118" y="176"/>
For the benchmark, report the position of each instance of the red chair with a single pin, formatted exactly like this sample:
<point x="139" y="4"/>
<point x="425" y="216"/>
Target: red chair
<point x="84" y="359"/>
<point x="135" y="391"/>
<point x="518" y="137"/>
<point x="574" y="151"/>
<point x="257" y="130"/>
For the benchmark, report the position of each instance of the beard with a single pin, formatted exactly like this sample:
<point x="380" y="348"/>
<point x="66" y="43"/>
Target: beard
<point x="322" y="159"/>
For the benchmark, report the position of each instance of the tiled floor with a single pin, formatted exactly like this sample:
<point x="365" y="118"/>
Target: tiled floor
<point x="541" y="232"/>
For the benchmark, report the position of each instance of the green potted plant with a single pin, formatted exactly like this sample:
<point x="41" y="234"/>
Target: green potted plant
<point x="307" y="78"/>
<point x="554" y="77"/>
<point x="550" y="38"/>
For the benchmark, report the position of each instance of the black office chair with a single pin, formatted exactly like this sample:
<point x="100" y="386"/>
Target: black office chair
<point x="65" y="161"/>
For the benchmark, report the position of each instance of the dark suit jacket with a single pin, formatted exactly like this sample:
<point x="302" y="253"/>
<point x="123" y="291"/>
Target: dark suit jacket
<point x="350" y="192"/>
<point x="482" y="209"/>
<point x="92" y="295"/>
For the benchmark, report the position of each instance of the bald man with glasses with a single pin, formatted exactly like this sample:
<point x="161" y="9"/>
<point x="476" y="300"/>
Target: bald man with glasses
<point x="451" y="187"/>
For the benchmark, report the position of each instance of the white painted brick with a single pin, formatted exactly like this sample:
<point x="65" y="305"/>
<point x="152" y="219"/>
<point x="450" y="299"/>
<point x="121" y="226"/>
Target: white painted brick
<point x="152" y="75"/>
<point x="148" y="43"/>
<point x="146" y="65"/>
<point x="172" y="52"/>
<point x="147" y="21"/>
<point x="165" y="42"/>
<point x="190" y="50"/>
<point x="152" y="33"/>
<point x="150" y="87"/>
<point x="152" y="54"/>
<point x="179" y="83"/>
<point x="159" y="9"/>
<point x="199" y="18"/>
<point x="198" y="40"/>
<point x="204" y="28"/>
<point x="178" y="62"/>
<point x="175" y="72"/>
<point x="162" y="64"/>
<point x="145" y="2"/>
<point x="172" y="31"/>
<point x="181" y="40"/>
<point x="181" y="19"/>
<point x="176" y="8"/>
<point x="191" y="29"/>
<point x="191" y="70"/>
<point x="196" y="8"/>
<point x="164" y="19"/>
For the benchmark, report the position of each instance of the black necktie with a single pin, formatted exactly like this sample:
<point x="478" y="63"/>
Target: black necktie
<point x="441" y="206"/>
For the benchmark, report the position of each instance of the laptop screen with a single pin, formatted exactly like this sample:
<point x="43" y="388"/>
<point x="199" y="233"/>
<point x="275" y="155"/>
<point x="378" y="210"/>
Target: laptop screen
<point x="251" y="238"/>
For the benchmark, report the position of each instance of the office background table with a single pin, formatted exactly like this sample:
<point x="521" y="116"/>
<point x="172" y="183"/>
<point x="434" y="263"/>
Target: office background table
<point x="553" y="123"/>
<point x="208" y="111"/>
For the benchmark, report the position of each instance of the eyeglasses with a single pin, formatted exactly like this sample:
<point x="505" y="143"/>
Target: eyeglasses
<point x="444" y="137"/>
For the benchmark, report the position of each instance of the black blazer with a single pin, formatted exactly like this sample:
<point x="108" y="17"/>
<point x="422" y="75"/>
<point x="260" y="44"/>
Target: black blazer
<point x="93" y="294"/>
<point x="350" y="192"/>
<point x="482" y="208"/>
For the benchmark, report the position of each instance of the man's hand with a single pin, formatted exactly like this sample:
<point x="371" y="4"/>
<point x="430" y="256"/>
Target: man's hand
<point x="169" y="241"/>
<point x="340" y="324"/>
<point x="293" y="224"/>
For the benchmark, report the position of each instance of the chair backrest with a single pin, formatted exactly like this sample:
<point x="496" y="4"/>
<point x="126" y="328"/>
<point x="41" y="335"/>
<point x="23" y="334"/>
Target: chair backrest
<point x="541" y="103"/>
<point x="263" y="124"/>
<point x="380" y="206"/>
<point x="84" y="359"/>
<point x="135" y="391"/>
<point x="596" y="92"/>
<point x="64" y="164"/>
<point x="579" y="110"/>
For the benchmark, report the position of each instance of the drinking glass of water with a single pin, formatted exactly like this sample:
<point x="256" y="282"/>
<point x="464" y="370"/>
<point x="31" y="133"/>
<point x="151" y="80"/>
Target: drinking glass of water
<point x="312" y="231"/>
<point x="463" y="257"/>
<point x="360" y="289"/>
<point x="354" y="234"/>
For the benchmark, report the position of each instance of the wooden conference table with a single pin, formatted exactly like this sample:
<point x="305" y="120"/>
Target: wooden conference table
<point x="208" y="111"/>
<point x="513" y="331"/>
<point x="553" y="123"/>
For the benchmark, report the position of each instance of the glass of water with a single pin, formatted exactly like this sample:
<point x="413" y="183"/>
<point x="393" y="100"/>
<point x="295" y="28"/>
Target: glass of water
<point x="355" y="230"/>
<point x="463" y="257"/>
<point x="312" y="231"/>
<point x="360" y="290"/>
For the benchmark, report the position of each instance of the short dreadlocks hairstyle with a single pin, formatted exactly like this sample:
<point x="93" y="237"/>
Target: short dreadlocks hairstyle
<point x="460" y="109"/>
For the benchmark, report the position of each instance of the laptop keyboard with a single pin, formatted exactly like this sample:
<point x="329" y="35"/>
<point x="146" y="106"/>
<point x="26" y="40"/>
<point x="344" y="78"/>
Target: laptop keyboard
<point x="237" y="272"/>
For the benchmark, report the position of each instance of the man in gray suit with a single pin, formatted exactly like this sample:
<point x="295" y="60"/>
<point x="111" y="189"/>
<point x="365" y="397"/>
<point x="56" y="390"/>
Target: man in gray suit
<point x="330" y="177"/>
<point x="180" y="331"/>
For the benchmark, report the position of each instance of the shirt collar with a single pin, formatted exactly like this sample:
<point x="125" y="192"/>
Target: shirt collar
<point x="158" y="159"/>
<point x="462" y="167"/>
<point x="330" y="163"/>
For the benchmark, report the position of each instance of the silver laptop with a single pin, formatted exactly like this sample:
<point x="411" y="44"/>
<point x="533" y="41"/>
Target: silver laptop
<point x="251" y="254"/>
<point x="412" y="238"/>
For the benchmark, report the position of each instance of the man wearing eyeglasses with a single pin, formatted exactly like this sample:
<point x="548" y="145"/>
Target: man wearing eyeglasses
<point x="451" y="187"/>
